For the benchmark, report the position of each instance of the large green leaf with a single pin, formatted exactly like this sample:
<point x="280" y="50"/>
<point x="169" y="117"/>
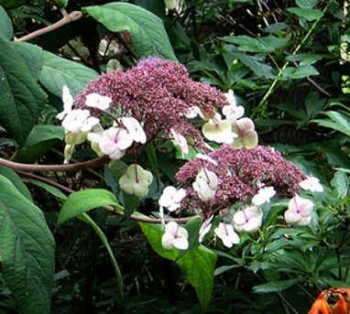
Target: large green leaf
<point x="16" y="181"/>
<point x="58" y="71"/>
<point x="147" y="32"/>
<point x="83" y="201"/>
<point x="9" y="4"/>
<point x="198" y="266"/>
<point x="276" y="286"/>
<point x="154" y="233"/>
<point x="39" y="140"/>
<point x="265" y="44"/>
<point x="299" y="72"/>
<point x="337" y="121"/>
<point x="21" y="96"/>
<point x="306" y="13"/>
<point x="32" y="56"/>
<point x="26" y="250"/>
<point x="255" y="64"/>
<point x="6" y="29"/>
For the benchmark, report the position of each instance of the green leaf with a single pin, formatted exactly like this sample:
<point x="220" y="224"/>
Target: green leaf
<point x="10" y="4"/>
<point x="49" y="188"/>
<point x="154" y="233"/>
<point x="307" y="14"/>
<point x="26" y="250"/>
<point x="306" y="4"/>
<point x="6" y="28"/>
<point x="41" y="133"/>
<point x="32" y="56"/>
<point x="265" y="44"/>
<point x="21" y="96"/>
<point x="147" y="32"/>
<point x="340" y="183"/>
<point x="198" y="267"/>
<point x="58" y="71"/>
<point x="16" y="181"/>
<point x="39" y="140"/>
<point x="83" y="201"/>
<point x="255" y="64"/>
<point x="275" y="286"/>
<point x="338" y="122"/>
<point x="87" y="219"/>
<point x="299" y="72"/>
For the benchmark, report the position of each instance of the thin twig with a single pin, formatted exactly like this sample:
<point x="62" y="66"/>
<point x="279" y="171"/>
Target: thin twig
<point x="111" y="209"/>
<point x="71" y="17"/>
<point x="55" y="167"/>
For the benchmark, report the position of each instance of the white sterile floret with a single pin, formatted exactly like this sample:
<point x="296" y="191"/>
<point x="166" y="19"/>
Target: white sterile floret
<point x="134" y="128"/>
<point x="205" y="184"/>
<point x="311" y="184"/>
<point x="98" y="101"/>
<point x="206" y="158"/>
<point x="263" y="196"/>
<point x="232" y="112"/>
<point x="79" y="120"/>
<point x="175" y="236"/>
<point x="227" y="235"/>
<point x="219" y="131"/>
<point x="193" y="112"/>
<point x="171" y="198"/>
<point x="180" y="140"/>
<point x="68" y="101"/>
<point x="248" y="220"/>
<point x="204" y="229"/>
<point x="114" y="141"/>
<point x="299" y="211"/>
<point x="136" y="181"/>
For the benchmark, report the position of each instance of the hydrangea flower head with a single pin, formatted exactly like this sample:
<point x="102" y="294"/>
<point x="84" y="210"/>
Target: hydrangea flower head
<point x="238" y="171"/>
<point x="157" y="93"/>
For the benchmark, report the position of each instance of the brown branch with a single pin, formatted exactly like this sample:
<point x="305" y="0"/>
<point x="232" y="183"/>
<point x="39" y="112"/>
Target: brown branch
<point x="67" y="18"/>
<point x="54" y="167"/>
<point x="107" y="207"/>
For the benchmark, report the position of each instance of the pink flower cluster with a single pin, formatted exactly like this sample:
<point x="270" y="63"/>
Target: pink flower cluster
<point x="158" y="93"/>
<point x="241" y="172"/>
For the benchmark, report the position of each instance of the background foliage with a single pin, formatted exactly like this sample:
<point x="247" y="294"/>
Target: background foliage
<point x="287" y="62"/>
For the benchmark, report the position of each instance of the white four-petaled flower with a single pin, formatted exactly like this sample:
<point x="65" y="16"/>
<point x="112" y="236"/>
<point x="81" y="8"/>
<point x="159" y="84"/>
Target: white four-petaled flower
<point x="98" y="101"/>
<point x="219" y="131"/>
<point x="263" y="196"/>
<point x="171" y="198"/>
<point x="205" y="228"/>
<point x="311" y="184"/>
<point x="79" y="120"/>
<point x="299" y="211"/>
<point x="232" y="112"/>
<point x="180" y="140"/>
<point x="227" y="235"/>
<point x="175" y="236"/>
<point x="206" y="184"/>
<point x="134" y="129"/>
<point x="248" y="219"/>
<point x="67" y="102"/>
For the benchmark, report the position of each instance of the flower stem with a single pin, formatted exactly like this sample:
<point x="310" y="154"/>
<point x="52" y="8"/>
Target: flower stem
<point x="261" y="108"/>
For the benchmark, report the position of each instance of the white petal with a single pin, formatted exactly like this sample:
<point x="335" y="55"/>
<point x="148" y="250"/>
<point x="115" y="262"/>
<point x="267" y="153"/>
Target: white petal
<point x="95" y="100"/>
